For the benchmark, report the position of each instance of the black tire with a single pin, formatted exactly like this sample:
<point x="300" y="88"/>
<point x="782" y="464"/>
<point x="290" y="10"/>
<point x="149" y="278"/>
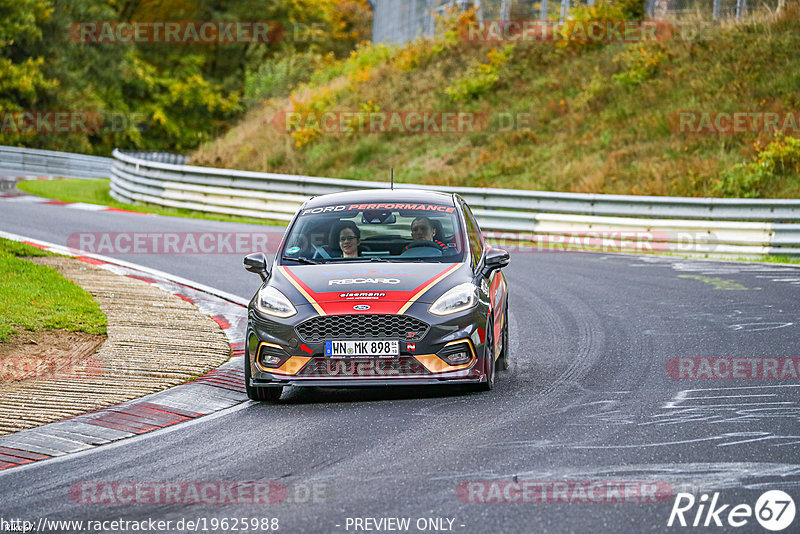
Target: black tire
<point x="270" y="394"/>
<point x="488" y="358"/>
<point x="502" y="361"/>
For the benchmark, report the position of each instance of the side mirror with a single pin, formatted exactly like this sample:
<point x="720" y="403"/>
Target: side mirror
<point x="496" y="258"/>
<point x="256" y="263"/>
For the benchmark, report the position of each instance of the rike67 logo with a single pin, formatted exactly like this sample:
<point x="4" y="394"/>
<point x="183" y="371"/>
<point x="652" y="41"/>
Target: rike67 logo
<point x="774" y="510"/>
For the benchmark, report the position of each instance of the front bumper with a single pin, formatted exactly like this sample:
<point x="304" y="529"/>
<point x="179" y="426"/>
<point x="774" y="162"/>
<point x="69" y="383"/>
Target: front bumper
<point x="305" y="364"/>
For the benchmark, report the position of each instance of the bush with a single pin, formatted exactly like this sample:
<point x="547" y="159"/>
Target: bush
<point x="572" y="33"/>
<point x="780" y="158"/>
<point x="481" y="77"/>
<point x="632" y="9"/>
<point x="454" y="23"/>
<point x="365" y="56"/>
<point x="416" y="53"/>
<point x="640" y="63"/>
<point x="279" y="77"/>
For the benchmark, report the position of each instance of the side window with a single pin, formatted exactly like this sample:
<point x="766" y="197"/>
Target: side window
<point x="474" y="235"/>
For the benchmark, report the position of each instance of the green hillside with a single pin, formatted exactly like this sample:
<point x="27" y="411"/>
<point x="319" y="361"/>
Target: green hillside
<point x="598" y="117"/>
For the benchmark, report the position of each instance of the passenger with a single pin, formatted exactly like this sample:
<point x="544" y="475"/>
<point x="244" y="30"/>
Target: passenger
<point x="422" y="229"/>
<point x="349" y="239"/>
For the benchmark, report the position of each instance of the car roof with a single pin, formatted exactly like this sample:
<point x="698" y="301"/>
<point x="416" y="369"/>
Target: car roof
<point x="373" y="196"/>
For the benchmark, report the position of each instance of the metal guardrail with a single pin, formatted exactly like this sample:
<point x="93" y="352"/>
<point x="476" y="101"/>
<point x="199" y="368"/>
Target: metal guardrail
<point x="52" y="163"/>
<point x="160" y="157"/>
<point x="694" y="226"/>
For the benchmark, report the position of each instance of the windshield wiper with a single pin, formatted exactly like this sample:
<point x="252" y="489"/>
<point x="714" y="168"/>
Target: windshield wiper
<point x="300" y="259"/>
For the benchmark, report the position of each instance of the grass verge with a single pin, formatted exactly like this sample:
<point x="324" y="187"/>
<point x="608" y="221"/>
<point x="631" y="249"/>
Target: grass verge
<point x="98" y="192"/>
<point x="35" y="297"/>
<point x="780" y="258"/>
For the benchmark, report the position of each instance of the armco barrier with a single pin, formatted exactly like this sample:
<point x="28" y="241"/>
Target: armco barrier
<point x="52" y="163"/>
<point x="694" y="226"/>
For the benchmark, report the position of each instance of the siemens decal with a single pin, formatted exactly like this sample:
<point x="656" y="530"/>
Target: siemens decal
<point x="363" y="281"/>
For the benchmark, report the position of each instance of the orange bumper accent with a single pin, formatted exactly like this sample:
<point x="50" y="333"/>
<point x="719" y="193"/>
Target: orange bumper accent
<point x="435" y="364"/>
<point x="290" y="367"/>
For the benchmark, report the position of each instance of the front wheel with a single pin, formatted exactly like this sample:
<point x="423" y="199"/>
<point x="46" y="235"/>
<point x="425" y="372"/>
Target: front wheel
<point x="502" y="361"/>
<point x="488" y="358"/>
<point x="270" y="394"/>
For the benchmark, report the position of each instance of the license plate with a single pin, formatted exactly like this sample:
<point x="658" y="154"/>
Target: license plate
<point x="349" y="348"/>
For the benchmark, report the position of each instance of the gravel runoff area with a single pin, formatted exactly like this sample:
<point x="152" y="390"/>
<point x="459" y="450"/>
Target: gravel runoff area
<point x="156" y="340"/>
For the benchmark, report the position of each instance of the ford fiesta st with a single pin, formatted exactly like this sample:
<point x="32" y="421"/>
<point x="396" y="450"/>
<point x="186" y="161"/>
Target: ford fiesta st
<point x="380" y="287"/>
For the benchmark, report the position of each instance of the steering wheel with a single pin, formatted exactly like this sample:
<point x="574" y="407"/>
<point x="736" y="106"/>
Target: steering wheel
<point x="423" y="243"/>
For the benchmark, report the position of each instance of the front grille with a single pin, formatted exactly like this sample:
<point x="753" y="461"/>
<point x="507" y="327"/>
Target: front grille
<point x="400" y="366"/>
<point x="361" y="327"/>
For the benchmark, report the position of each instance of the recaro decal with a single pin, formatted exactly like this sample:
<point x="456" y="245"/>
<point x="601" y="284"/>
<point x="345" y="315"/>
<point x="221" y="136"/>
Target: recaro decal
<point x="348" y="281"/>
<point x="370" y="272"/>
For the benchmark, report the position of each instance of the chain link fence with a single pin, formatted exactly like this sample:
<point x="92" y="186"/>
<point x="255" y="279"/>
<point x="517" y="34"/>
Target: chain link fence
<point x="399" y="21"/>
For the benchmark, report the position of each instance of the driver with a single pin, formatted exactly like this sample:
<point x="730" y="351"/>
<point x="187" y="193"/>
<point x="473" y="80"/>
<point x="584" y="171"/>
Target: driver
<point x="349" y="239"/>
<point x="423" y="230"/>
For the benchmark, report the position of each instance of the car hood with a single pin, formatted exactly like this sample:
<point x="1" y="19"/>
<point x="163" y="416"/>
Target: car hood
<point x="388" y="288"/>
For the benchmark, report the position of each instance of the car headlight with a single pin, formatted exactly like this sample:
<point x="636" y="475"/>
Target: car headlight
<point x="272" y="302"/>
<point x="460" y="298"/>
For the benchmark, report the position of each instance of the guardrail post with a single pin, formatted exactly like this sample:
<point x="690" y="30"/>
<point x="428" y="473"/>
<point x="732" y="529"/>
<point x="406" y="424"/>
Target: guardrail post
<point x="564" y="9"/>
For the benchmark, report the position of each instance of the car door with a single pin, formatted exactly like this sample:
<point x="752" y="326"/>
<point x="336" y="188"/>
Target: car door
<point x="494" y="286"/>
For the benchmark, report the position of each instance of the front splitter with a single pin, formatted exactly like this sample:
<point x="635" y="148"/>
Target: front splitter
<point x="365" y="382"/>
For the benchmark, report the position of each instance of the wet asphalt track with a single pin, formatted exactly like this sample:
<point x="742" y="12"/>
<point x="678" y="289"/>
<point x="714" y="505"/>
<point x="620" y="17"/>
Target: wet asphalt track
<point x="587" y="398"/>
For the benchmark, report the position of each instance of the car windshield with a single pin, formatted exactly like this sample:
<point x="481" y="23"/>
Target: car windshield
<point x="392" y="232"/>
